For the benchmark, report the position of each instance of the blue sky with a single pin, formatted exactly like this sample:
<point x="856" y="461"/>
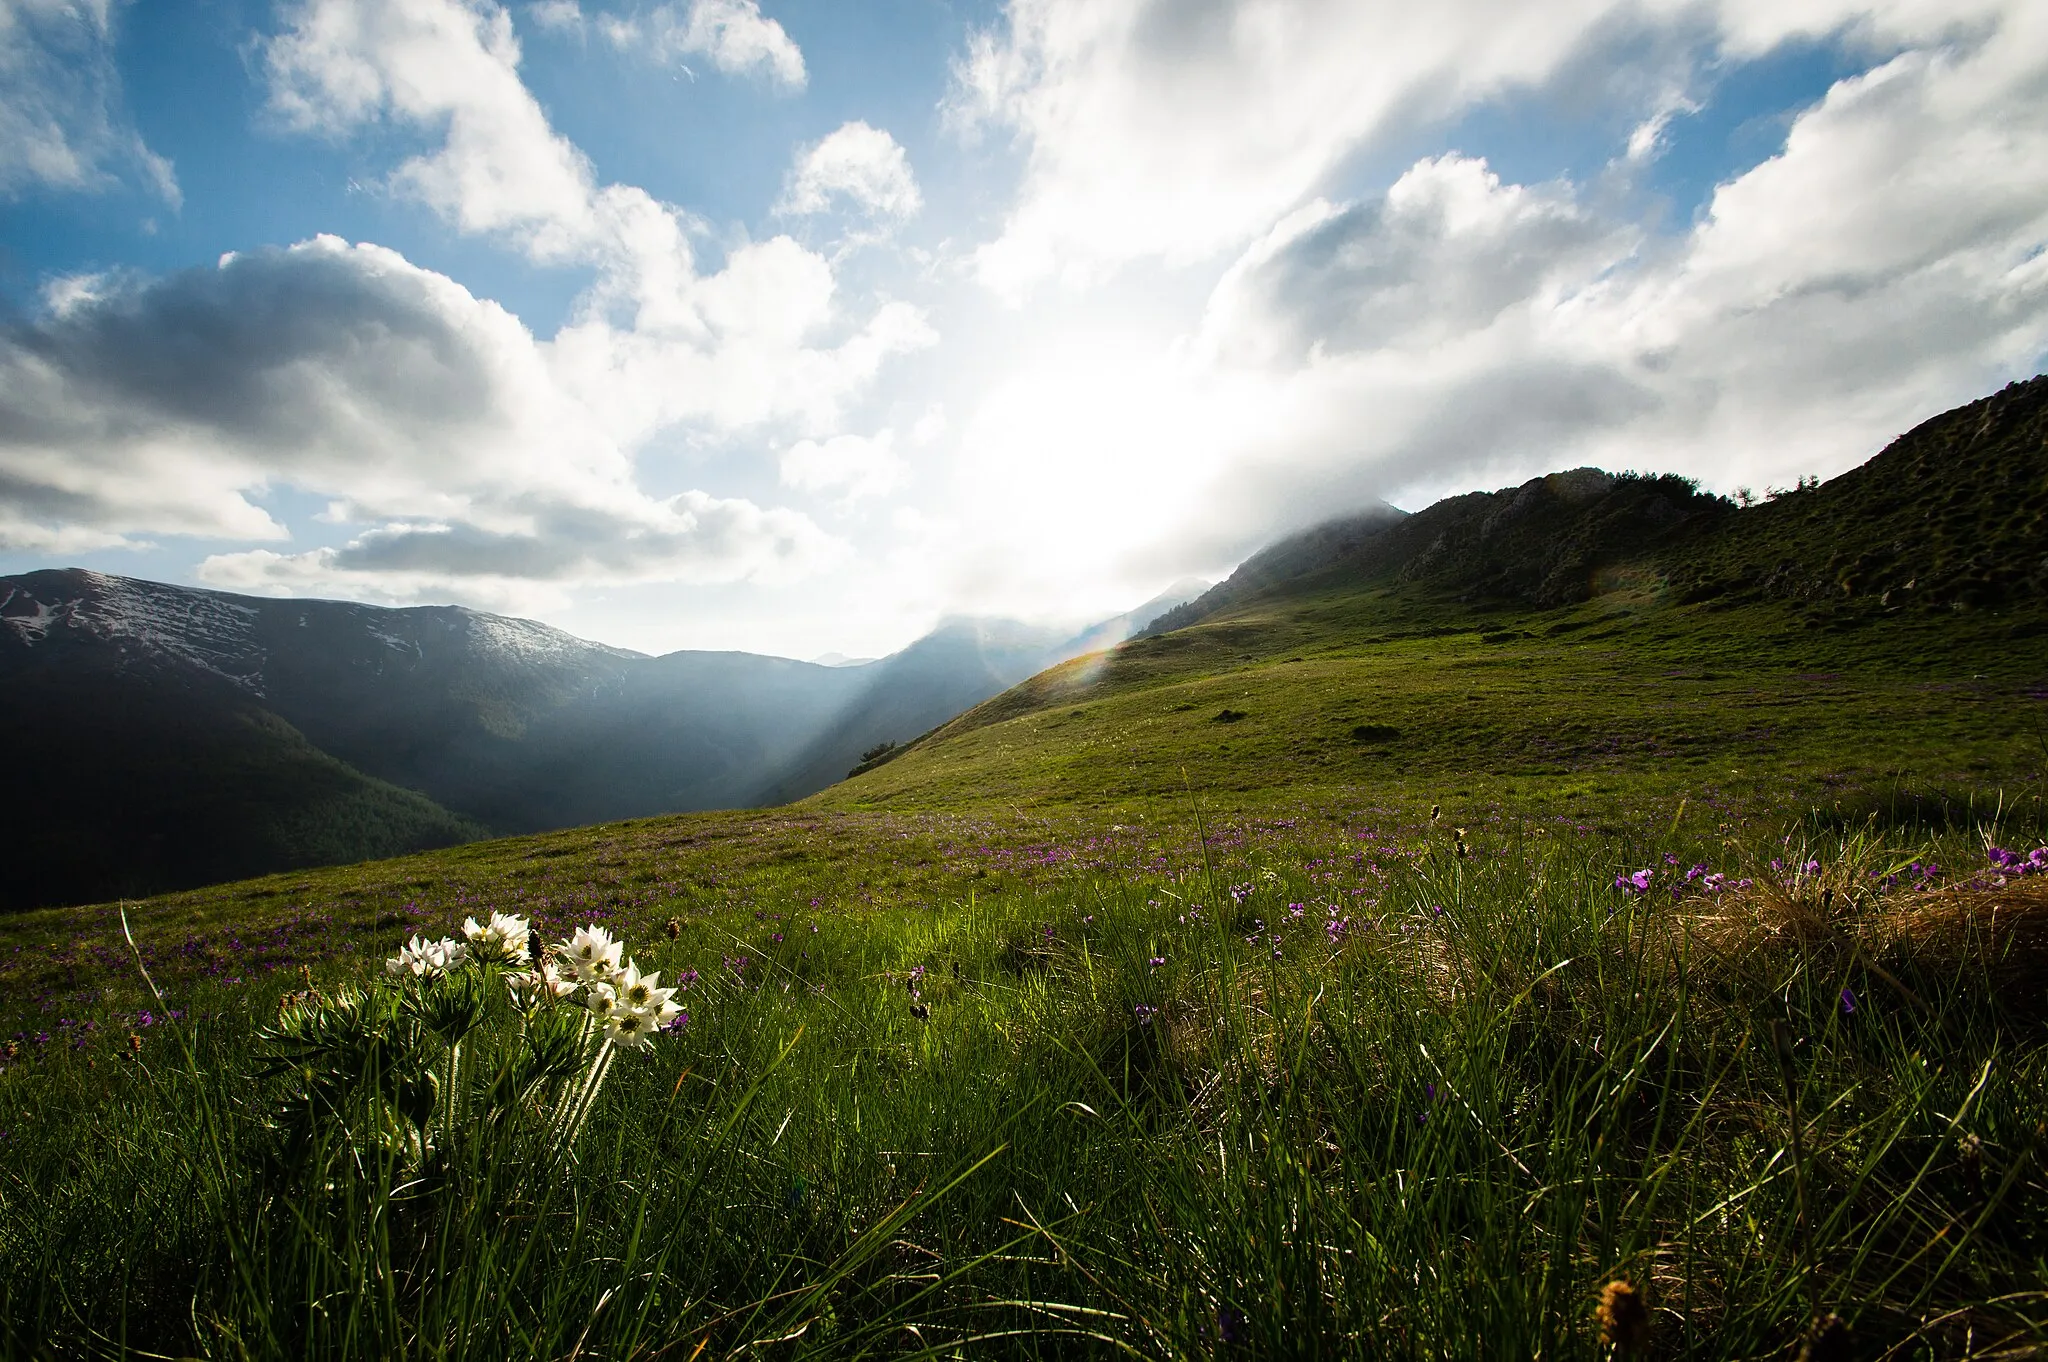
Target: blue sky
<point x="798" y="326"/>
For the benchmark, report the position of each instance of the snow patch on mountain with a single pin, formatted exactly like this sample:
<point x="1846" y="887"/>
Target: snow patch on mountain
<point x="534" y="643"/>
<point x="203" y="628"/>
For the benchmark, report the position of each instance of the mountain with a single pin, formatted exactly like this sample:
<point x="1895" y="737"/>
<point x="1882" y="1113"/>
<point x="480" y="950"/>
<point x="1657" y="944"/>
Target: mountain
<point x="221" y="734"/>
<point x="1562" y="627"/>
<point x="1951" y="515"/>
<point x="1545" y="543"/>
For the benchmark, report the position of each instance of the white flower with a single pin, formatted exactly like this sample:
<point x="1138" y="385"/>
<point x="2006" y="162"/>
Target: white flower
<point x="627" y="1029"/>
<point x="590" y="956"/>
<point x="503" y="938"/>
<point x="531" y="987"/>
<point x="602" y="1001"/>
<point x="640" y="992"/>
<point x="423" y="959"/>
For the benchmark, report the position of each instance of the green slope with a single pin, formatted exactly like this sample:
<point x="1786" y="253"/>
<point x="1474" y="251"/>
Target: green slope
<point x="1880" y="631"/>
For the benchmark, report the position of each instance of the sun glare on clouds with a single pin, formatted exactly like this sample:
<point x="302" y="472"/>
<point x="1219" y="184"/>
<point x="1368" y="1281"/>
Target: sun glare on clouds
<point x="1125" y="309"/>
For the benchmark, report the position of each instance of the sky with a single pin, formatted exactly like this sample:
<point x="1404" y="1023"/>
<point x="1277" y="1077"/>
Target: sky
<point x="797" y="326"/>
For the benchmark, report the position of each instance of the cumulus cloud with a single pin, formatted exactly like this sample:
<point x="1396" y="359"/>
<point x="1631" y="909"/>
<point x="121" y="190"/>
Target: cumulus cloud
<point x="1890" y="261"/>
<point x="1445" y="251"/>
<point x="347" y="372"/>
<point x="732" y="34"/>
<point x="557" y="16"/>
<point x="1179" y="131"/>
<point x="61" y="121"/>
<point x="481" y="461"/>
<point x="851" y="466"/>
<point x="858" y="164"/>
<point x="691" y="537"/>
<point x="654" y="341"/>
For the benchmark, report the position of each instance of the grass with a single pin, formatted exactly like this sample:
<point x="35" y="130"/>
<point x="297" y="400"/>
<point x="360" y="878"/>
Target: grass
<point x="1439" y="1127"/>
<point x="1624" y="700"/>
<point x="1017" y="1045"/>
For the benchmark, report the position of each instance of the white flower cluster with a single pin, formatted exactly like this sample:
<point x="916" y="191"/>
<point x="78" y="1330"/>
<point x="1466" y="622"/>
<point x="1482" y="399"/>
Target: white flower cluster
<point x="424" y="959"/>
<point x="504" y="938"/>
<point x="586" y="969"/>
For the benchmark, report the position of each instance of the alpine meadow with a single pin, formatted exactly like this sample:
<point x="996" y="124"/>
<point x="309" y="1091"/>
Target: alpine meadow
<point x="1618" y="926"/>
<point x="1022" y="679"/>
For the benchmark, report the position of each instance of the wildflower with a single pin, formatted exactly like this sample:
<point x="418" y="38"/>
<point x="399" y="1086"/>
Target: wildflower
<point x="1623" y="1317"/>
<point x="424" y="959"/>
<point x="531" y="987"/>
<point x="1144" y="1012"/>
<point x="1638" y="883"/>
<point x="642" y="992"/>
<point x="627" y="1029"/>
<point x="602" y="1002"/>
<point x="1848" y="1001"/>
<point x="1157" y="961"/>
<point x="504" y="937"/>
<point x="591" y="956"/>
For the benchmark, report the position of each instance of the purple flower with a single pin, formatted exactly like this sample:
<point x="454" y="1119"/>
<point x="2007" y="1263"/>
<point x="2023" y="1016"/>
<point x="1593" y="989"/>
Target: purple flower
<point x="1157" y="961"/>
<point x="1848" y="1001"/>
<point x="1144" y="1012"/>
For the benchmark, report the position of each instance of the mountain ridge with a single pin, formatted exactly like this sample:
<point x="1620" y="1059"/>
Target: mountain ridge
<point x="417" y="726"/>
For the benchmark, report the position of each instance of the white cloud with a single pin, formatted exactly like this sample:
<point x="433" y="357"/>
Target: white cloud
<point x="61" y="121"/>
<point x="852" y="466"/>
<point x="345" y="372"/>
<point x="1458" y="331"/>
<point x="480" y="462"/>
<point x="857" y="163"/>
<point x="1179" y="131"/>
<point x="733" y="34"/>
<point x="1444" y="252"/>
<point x="653" y="342"/>
<point x="557" y="16"/>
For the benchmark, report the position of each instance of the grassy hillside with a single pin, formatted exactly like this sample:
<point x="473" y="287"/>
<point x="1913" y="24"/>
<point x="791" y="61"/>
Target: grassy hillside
<point x="1620" y="697"/>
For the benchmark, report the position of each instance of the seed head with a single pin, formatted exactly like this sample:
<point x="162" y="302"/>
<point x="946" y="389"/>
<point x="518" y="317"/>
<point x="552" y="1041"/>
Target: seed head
<point x="1623" y="1317"/>
<point x="675" y="928"/>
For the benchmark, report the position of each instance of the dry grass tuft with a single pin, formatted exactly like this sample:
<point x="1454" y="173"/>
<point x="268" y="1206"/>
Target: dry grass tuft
<point x="1998" y="933"/>
<point x="2001" y="931"/>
